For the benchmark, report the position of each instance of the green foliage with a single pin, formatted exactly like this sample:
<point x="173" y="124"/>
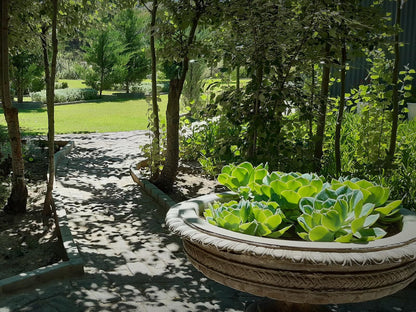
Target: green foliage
<point x="192" y="88"/>
<point x="133" y="64"/>
<point x="252" y="218"/>
<point x="343" y="210"/>
<point x="212" y="143"/>
<point x="102" y="53"/>
<point x="25" y="72"/>
<point x="346" y="212"/>
<point x="66" y="95"/>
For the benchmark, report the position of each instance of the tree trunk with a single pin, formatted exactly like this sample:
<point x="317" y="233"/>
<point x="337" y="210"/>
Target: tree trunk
<point x="395" y="88"/>
<point x="101" y="81"/>
<point x="340" y="110"/>
<point x="170" y="168"/>
<point x="252" y="152"/>
<point x="237" y="82"/>
<point x="168" y="175"/>
<point x="155" y="105"/>
<point x="17" y="201"/>
<point x="320" y="129"/>
<point x="48" y="206"/>
<point x="19" y="88"/>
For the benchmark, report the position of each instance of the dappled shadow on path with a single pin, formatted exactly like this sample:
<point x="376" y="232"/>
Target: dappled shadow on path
<point x="132" y="261"/>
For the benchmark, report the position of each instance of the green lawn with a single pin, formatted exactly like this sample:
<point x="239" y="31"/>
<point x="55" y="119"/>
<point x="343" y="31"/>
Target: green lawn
<point x="111" y="114"/>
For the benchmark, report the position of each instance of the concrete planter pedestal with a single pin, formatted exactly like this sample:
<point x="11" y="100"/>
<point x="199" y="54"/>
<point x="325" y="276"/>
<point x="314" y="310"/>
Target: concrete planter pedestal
<point x="296" y="272"/>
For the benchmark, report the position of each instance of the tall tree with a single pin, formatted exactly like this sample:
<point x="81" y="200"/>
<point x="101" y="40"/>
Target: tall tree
<point x="178" y="41"/>
<point x="23" y="70"/>
<point x="395" y="85"/>
<point x="130" y="26"/>
<point x="155" y="127"/>
<point x="102" y="53"/>
<point x="18" y="198"/>
<point x="50" y="74"/>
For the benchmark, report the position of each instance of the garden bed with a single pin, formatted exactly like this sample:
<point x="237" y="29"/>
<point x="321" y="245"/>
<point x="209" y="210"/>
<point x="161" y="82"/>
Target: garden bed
<point x="25" y="244"/>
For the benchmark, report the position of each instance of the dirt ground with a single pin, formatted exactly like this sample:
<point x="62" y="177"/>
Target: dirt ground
<point x="25" y="243"/>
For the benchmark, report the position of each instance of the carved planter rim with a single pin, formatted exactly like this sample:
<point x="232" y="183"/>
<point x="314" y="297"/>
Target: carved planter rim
<point x="185" y="220"/>
<point x="296" y="271"/>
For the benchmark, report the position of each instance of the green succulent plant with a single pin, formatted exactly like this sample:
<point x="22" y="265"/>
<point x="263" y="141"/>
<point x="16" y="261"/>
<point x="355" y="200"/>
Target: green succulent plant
<point x="253" y="218"/>
<point x="345" y="210"/>
<point x="342" y="215"/>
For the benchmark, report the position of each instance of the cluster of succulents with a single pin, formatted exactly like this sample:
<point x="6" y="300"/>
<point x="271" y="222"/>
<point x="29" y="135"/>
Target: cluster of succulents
<point x="271" y="204"/>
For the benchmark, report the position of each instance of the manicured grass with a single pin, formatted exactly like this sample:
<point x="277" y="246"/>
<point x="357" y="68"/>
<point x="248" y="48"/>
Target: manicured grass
<point x="111" y="114"/>
<point x="72" y="83"/>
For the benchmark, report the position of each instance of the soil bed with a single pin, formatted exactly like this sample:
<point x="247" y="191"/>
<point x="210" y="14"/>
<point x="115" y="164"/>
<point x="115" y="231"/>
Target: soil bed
<point x="25" y="244"/>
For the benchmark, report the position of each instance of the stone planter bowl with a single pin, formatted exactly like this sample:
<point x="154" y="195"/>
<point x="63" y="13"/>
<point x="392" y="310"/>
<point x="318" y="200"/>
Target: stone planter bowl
<point x="296" y="271"/>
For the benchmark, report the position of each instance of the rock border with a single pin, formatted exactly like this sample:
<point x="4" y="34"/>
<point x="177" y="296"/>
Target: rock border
<point x="160" y="197"/>
<point x="74" y="266"/>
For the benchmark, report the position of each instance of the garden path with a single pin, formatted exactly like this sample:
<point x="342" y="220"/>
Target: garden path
<point x="132" y="262"/>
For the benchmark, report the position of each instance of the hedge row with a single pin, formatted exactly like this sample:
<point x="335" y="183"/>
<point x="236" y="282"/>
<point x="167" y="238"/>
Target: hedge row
<point x="66" y="95"/>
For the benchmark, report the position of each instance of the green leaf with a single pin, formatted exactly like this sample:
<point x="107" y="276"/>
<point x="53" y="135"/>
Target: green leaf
<point x="273" y="222"/>
<point x="266" y="190"/>
<point x="263" y="230"/>
<point x="249" y="228"/>
<point x="357" y="224"/>
<point x="226" y="170"/>
<point x="371" y="234"/>
<point x="321" y="234"/>
<point x="208" y="213"/>
<point x="291" y="197"/>
<point x="344" y="238"/>
<point x="232" y="222"/>
<point x="279" y="233"/>
<point x="363" y="210"/>
<point x="317" y="183"/>
<point x="278" y="186"/>
<point x="370" y="220"/>
<point x="242" y="175"/>
<point x="332" y="221"/>
<point x="245" y="211"/>
<point x="305" y="221"/>
<point x="259" y="175"/>
<point x="223" y="178"/>
<point x="364" y="184"/>
<point x="259" y="215"/>
<point x="307" y="191"/>
<point x="379" y="195"/>
<point x="386" y="210"/>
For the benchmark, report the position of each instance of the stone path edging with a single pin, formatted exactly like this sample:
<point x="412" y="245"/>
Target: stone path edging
<point x="160" y="197"/>
<point x="74" y="266"/>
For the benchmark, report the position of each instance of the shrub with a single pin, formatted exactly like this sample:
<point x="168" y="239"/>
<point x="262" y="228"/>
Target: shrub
<point x="66" y="95"/>
<point x="146" y="87"/>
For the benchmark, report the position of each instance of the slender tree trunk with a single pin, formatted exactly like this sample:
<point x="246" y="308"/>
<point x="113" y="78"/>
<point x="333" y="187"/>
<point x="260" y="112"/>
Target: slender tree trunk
<point x="312" y="104"/>
<point x="155" y="104"/>
<point x="253" y="140"/>
<point x="19" y="88"/>
<point x="17" y="201"/>
<point x="340" y="110"/>
<point x="237" y="83"/>
<point x="320" y="129"/>
<point x="49" y="207"/>
<point x="395" y="89"/>
<point x="170" y="168"/>
<point x="101" y="81"/>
